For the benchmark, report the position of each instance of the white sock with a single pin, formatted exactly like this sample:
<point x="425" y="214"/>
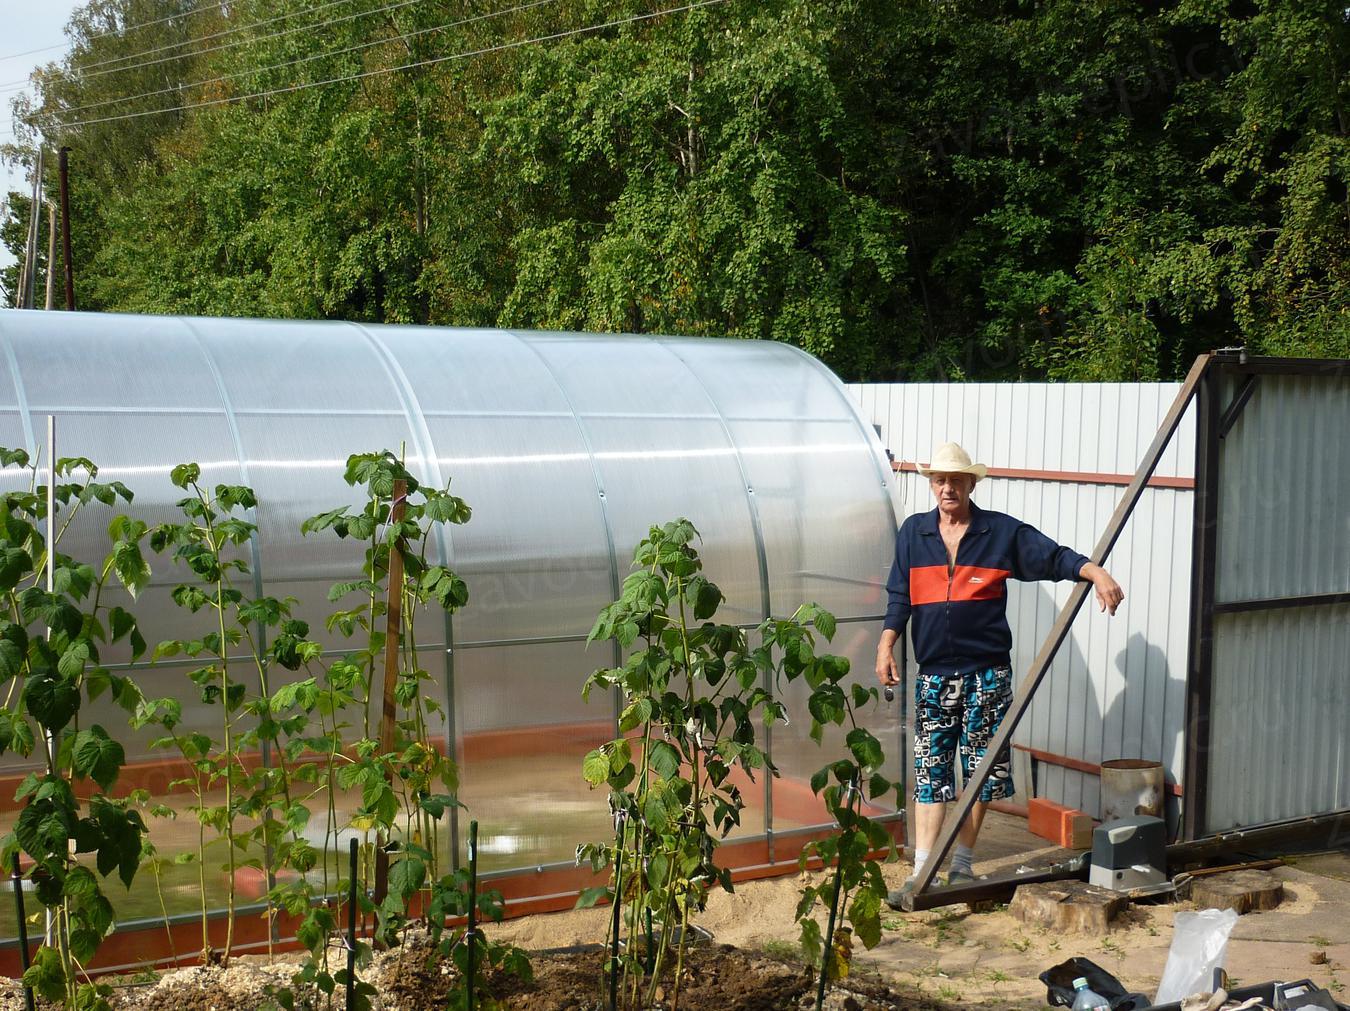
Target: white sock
<point x="920" y="858"/>
<point x="961" y="858"/>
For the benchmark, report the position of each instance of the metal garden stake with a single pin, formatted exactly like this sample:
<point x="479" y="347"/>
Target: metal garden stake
<point x="16" y="876"/>
<point x="351" y="926"/>
<point x="470" y="933"/>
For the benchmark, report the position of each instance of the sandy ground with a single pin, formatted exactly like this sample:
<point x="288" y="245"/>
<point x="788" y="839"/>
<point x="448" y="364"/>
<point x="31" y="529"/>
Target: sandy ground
<point x="991" y="960"/>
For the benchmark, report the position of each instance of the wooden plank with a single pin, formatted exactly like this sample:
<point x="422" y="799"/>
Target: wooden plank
<point x="392" y="637"/>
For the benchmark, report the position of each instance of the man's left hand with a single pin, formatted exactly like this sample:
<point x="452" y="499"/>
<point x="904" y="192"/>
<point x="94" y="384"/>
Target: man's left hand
<point x="1109" y="593"/>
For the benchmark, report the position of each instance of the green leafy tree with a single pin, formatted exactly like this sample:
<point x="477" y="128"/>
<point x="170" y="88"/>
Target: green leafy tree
<point x="929" y="191"/>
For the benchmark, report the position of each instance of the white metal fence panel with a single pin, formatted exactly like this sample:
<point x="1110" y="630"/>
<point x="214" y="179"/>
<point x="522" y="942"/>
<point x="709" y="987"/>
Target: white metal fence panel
<point x="1117" y="687"/>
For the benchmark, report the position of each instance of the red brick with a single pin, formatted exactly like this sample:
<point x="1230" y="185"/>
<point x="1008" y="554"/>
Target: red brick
<point x="1061" y="825"/>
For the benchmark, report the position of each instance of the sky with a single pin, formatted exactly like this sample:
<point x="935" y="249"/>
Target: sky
<point x="27" y="25"/>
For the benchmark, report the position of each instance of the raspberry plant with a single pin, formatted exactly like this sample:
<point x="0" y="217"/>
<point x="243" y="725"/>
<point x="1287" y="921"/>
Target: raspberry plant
<point x="50" y="667"/>
<point x="694" y="692"/>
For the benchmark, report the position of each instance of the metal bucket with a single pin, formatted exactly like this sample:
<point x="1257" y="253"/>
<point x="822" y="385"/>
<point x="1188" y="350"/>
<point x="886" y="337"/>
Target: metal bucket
<point x="1131" y="786"/>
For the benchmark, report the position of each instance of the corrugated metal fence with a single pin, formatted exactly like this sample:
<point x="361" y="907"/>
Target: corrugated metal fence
<point x="1060" y="455"/>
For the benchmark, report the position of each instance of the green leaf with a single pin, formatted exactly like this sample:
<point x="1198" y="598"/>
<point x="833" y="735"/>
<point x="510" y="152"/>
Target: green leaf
<point x="866" y="748"/>
<point x="862" y="695"/>
<point x="639" y="711"/>
<point x="97" y="756"/>
<point x="665" y="760"/>
<point x="595" y="767"/>
<point x="654" y="812"/>
<point x="819" y="780"/>
<point x="865" y="915"/>
<point x="13" y="458"/>
<point x="407" y="876"/>
<point x="11" y="657"/>
<point x="811" y="941"/>
<point x="825" y="625"/>
<point x="52" y="700"/>
<point x="15" y="563"/>
<point x="590" y="896"/>
<point x="132" y="570"/>
<point x="45" y="826"/>
<point x="47" y="975"/>
<point x="878" y="785"/>
<point x="707" y="598"/>
<point x="73" y="660"/>
<point x="185" y="474"/>
<point x="658" y="869"/>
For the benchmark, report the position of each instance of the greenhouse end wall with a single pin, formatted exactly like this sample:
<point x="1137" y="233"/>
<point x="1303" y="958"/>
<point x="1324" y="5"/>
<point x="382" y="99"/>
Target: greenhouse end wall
<point x="567" y="447"/>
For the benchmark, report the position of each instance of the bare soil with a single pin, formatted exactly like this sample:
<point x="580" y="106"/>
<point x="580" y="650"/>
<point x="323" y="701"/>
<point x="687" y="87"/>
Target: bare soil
<point x="717" y="977"/>
<point x="944" y="958"/>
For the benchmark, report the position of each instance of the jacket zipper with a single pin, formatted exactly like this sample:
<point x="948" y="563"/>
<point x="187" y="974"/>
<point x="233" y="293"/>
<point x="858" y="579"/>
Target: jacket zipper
<point x="947" y="607"/>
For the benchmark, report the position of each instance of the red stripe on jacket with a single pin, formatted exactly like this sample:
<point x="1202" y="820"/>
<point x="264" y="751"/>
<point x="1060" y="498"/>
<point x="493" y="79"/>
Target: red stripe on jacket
<point x="928" y="584"/>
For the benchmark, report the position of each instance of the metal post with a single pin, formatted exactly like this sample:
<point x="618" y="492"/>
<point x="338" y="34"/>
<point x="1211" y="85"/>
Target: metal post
<point x="25" y="299"/>
<point x="470" y="932"/>
<point x="48" y="736"/>
<point x="351" y="924"/>
<point x="970" y="792"/>
<point x="63" y="165"/>
<point x="1200" y="652"/>
<point x="16" y="876"/>
<point x="614" y="920"/>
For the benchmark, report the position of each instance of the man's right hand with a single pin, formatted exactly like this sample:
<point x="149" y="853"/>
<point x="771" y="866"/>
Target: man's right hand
<point x="887" y="672"/>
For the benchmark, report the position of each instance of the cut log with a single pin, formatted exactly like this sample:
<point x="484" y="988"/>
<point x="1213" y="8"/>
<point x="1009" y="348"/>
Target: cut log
<point x="1243" y="891"/>
<point x="1069" y="906"/>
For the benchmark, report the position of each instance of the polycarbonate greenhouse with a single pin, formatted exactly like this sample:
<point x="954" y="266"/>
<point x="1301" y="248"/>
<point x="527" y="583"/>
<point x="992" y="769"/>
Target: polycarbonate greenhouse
<point x="567" y="446"/>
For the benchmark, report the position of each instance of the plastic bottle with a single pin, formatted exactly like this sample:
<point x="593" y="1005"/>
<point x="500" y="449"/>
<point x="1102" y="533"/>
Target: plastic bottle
<point x="1085" y="999"/>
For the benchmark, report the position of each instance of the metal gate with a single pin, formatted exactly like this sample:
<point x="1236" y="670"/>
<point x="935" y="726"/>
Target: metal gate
<point x="1268" y="707"/>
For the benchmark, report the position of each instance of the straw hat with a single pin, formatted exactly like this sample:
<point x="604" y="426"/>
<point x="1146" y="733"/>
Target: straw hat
<point x="949" y="458"/>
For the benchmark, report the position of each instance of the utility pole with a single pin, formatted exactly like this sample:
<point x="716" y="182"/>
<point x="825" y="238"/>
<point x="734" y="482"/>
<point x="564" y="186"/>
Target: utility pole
<point x="30" y="256"/>
<point x="51" y="251"/>
<point x="63" y="164"/>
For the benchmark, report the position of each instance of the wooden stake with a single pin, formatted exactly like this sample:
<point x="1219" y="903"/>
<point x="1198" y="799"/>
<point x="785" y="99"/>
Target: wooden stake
<point x="393" y="628"/>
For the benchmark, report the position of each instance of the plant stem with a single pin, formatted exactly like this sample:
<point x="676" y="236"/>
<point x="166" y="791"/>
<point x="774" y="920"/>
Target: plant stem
<point x="679" y="955"/>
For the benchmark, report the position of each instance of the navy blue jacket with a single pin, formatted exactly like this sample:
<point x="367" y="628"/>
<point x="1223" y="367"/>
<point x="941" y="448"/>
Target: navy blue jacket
<point x="960" y="620"/>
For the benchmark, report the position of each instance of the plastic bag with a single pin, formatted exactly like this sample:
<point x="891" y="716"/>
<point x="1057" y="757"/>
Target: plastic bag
<point x="1198" y="943"/>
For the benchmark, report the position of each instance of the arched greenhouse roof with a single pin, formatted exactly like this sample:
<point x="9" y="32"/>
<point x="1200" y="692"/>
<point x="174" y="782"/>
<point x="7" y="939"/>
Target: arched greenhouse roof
<point x="567" y="446"/>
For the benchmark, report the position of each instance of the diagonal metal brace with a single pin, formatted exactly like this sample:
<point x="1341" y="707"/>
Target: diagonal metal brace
<point x="1058" y="633"/>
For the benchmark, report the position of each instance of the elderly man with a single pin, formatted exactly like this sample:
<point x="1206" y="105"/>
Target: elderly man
<point x="948" y="578"/>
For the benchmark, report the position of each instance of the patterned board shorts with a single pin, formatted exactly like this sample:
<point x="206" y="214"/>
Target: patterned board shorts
<point x="959" y="713"/>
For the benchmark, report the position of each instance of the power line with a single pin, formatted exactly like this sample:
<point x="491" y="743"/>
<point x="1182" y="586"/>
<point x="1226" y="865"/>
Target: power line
<point x="83" y="71"/>
<point x="213" y="35"/>
<point x="406" y="66"/>
<point x="117" y="31"/>
<point x="306" y="59"/>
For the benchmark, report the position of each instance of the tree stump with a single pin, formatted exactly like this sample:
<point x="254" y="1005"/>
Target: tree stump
<point x="1068" y="906"/>
<point x="1242" y="891"/>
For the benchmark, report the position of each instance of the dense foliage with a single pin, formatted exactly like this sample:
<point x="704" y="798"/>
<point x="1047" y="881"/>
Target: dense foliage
<point x="920" y="190"/>
<point x="694" y="692"/>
